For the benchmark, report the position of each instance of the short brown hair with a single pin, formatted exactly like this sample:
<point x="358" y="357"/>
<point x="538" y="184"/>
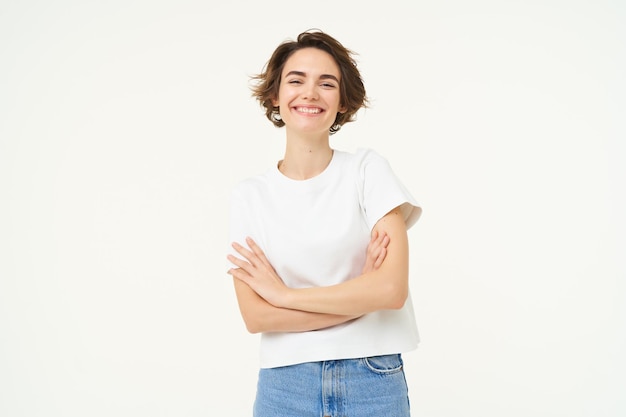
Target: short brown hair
<point x="352" y="90"/>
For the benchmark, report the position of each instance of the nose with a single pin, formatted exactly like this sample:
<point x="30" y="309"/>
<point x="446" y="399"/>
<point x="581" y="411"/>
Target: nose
<point x="310" y="92"/>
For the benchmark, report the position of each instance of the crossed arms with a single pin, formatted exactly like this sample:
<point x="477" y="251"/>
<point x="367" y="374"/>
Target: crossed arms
<point x="268" y="305"/>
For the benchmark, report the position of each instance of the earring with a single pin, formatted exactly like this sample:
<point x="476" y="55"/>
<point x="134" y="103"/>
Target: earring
<point x="276" y="114"/>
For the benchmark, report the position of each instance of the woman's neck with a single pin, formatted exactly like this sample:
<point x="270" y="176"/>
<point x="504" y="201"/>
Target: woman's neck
<point x="305" y="157"/>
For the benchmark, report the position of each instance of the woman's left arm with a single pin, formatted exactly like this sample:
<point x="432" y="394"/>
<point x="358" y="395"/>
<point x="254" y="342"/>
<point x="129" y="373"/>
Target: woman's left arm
<point x="385" y="288"/>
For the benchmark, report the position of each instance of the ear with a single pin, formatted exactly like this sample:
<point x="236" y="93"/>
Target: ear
<point x="343" y="109"/>
<point x="274" y="102"/>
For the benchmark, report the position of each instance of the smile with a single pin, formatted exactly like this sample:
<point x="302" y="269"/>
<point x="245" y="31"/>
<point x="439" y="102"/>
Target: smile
<point x="309" y="110"/>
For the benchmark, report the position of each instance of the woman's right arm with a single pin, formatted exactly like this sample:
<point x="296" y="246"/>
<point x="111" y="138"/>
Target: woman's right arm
<point x="262" y="317"/>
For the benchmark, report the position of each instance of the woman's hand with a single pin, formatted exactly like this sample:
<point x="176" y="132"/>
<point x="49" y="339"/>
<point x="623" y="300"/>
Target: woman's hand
<point x="258" y="273"/>
<point x="376" y="251"/>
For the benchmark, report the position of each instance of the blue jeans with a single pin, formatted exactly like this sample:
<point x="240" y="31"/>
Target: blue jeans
<point x="364" y="387"/>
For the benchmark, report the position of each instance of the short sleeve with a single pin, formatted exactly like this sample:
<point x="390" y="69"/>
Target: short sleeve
<point x="381" y="191"/>
<point x="239" y="222"/>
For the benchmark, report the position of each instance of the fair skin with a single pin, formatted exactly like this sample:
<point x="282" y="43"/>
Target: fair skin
<point x="309" y="99"/>
<point x="261" y="316"/>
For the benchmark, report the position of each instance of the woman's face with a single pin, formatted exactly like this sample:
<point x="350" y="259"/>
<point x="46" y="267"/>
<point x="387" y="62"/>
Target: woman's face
<point x="308" y="96"/>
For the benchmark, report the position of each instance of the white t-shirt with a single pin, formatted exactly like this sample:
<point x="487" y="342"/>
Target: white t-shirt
<point x="315" y="232"/>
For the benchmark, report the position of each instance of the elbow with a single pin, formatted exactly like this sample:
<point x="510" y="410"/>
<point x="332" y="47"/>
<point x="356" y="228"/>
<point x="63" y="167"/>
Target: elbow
<point x="253" y="329"/>
<point x="261" y="320"/>
<point x="396" y="296"/>
<point x="398" y="301"/>
<point x="253" y="325"/>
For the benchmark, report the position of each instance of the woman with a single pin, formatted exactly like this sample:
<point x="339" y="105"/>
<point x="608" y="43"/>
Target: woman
<point x="320" y="249"/>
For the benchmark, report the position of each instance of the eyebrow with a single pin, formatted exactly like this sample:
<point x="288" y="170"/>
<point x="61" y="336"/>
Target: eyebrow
<point x="303" y="74"/>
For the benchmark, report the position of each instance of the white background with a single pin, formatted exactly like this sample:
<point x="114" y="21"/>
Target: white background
<point x="124" y="125"/>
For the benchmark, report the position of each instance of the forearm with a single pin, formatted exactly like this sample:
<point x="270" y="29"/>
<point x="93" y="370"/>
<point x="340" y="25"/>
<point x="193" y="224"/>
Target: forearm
<point x="382" y="289"/>
<point x="364" y="294"/>
<point x="262" y="317"/>
<point x="276" y="319"/>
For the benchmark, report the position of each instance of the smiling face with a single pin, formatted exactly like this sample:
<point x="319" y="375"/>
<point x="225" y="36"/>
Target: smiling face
<point x="309" y="97"/>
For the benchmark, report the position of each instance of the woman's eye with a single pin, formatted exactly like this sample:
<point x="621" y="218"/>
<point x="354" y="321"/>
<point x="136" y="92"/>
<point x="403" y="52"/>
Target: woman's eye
<point x="294" y="82"/>
<point x="328" y="85"/>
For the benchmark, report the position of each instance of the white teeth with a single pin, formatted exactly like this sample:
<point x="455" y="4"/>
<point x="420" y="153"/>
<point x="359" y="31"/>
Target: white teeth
<point x="310" y="110"/>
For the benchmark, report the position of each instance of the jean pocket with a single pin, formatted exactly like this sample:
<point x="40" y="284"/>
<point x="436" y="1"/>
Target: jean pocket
<point x="385" y="364"/>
